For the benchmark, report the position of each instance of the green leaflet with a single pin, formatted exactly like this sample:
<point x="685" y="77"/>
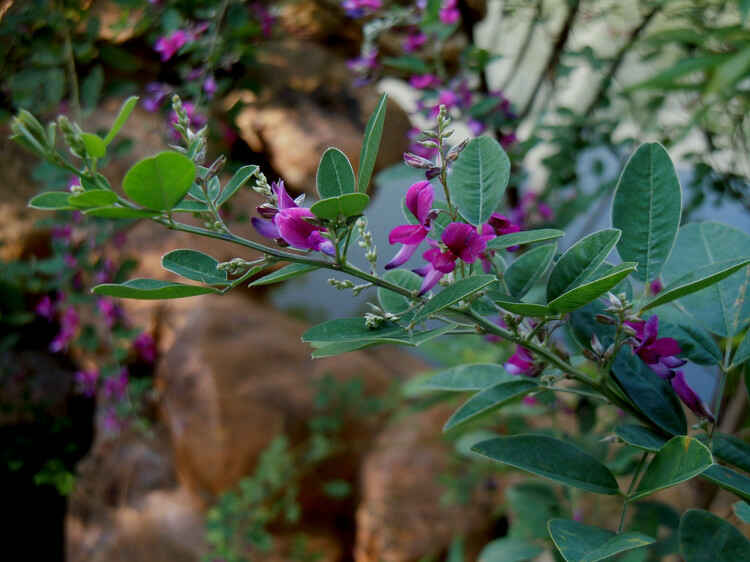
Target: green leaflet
<point x="150" y="289"/>
<point x="582" y="543"/>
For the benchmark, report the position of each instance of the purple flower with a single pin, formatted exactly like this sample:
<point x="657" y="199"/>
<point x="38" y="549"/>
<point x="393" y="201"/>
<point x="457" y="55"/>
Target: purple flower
<point x="655" y="286"/>
<point x="423" y="81"/>
<point x="418" y="149"/>
<point x="156" y="92"/>
<point x="476" y="127"/>
<point x="449" y="13"/>
<point x="172" y="43"/>
<point x="527" y="207"/>
<point x="63" y="232"/>
<point x="414" y="41"/>
<point x="364" y="63"/>
<point x="657" y="353"/>
<point x="68" y="327"/>
<point x="462" y="241"/>
<point x="112" y="421"/>
<point x="209" y="86"/>
<point x="508" y="139"/>
<point x="291" y="224"/>
<point x="419" y="199"/>
<point x="265" y="18"/>
<point x="689" y="397"/>
<point x="116" y="387"/>
<point x="86" y="381"/>
<point x="145" y="347"/>
<point x="45" y="308"/>
<point x="74" y="182"/>
<point x="493" y="338"/>
<point x="360" y="8"/>
<point x="520" y="363"/>
<point x="448" y="98"/>
<point x="109" y="310"/>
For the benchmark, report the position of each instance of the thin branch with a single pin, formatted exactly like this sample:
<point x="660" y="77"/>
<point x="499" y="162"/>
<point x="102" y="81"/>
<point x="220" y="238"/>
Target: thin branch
<point x="521" y="54"/>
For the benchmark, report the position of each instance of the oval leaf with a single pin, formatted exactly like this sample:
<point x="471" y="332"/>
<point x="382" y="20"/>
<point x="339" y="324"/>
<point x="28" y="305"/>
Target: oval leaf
<point x="696" y="344"/>
<point x="95" y="147"/>
<point x="115" y="212"/>
<point x="647" y="207"/>
<point x="582" y="543"/>
<point x="93" y="198"/>
<point x="122" y="117"/>
<point x="641" y="437"/>
<point x="516" y="306"/>
<point x="528" y="269"/>
<point x="51" y="201"/>
<point x="478" y="179"/>
<point x="743" y="351"/>
<point x="696" y="281"/>
<point x="509" y="549"/>
<point x="704" y="537"/>
<point x="287" y="272"/>
<point x="459" y="290"/>
<point x="679" y="460"/>
<point x="551" y="458"/>
<point x="489" y="400"/>
<point x="728" y="479"/>
<point x="393" y="302"/>
<point x="649" y="392"/>
<point x="732" y="449"/>
<point x="335" y="174"/>
<point x="580" y="261"/>
<point x="159" y="182"/>
<point x="592" y="289"/>
<point x="371" y="144"/>
<point x="468" y="377"/>
<point x="742" y="511"/>
<point x="150" y="289"/>
<point x="239" y="179"/>
<point x="349" y="205"/>
<point x="194" y="265"/>
<point x="524" y="237"/>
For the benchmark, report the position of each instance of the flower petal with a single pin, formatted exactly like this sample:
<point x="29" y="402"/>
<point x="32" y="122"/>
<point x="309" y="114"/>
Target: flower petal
<point x="419" y="199"/>
<point x="402" y="256"/>
<point x="265" y="228"/>
<point x="689" y="397"/>
<point x="407" y="234"/>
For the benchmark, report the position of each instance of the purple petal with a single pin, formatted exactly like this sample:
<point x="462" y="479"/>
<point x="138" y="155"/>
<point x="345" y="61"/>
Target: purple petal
<point x="689" y="397"/>
<point x="265" y="228"/>
<point x="403" y="255"/>
<point x="419" y="199"/>
<point x="430" y="280"/>
<point x="407" y="234"/>
<point x="665" y="346"/>
<point x="283" y="199"/>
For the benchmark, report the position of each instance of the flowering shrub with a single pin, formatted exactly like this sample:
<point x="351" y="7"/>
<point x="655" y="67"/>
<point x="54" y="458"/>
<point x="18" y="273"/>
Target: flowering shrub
<point x="630" y="335"/>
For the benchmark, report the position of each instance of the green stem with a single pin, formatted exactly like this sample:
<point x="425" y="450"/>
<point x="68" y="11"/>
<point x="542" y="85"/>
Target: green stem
<point x="72" y="75"/>
<point x="630" y="490"/>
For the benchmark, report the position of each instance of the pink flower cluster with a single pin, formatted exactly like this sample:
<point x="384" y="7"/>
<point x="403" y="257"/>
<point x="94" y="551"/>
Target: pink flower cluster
<point x="459" y="241"/>
<point x="169" y="45"/>
<point x="361" y="8"/>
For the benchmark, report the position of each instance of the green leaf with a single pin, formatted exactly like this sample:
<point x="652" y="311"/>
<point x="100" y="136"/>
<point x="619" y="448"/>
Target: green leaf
<point x="509" y="549"/>
<point x="393" y="302"/>
<point x="728" y="479"/>
<point x="516" y="306"/>
<point x="95" y="146"/>
<point x="679" y="460"/>
<point x="524" y="237"/>
<point x="194" y="265"/>
<point x="647" y="207"/>
<point x="150" y="289"/>
<point x="461" y="289"/>
<point x="93" y="198"/>
<point x="743" y="351"/>
<point x="115" y="212"/>
<point x="523" y="273"/>
<point x="580" y="261"/>
<point x="468" y="377"/>
<point x="160" y="181"/>
<point x="582" y="543"/>
<point x="478" y="179"/>
<point x="51" y="201"/>
<point x="489" y="400"/>
<point x="349" y="205"/>
<point x="551" y="458"/>
<point x="122" y="117"/>
<point x="239" y="179"/>
<point x="407" y="63"/>
<point x="732" y="449"/>
<point x="729" y="72"/>
<point x="696" y="344"/>
<point x="641" y="437"/>
<point x="333" y="349"/>
<point x="649" y="392"/>
<point x="91" y="87"/>
<point x="190" y="206"/>
<point x="704" y="537"/>
<point x="592" y="288"/>
<point x="742" y="511"/>
<point x="371" y="145"/>
<point x="335" y="174"/>
<point x="682" y="68"/>
<point x="287" y="272"/>
<point x="696" y="281"/>
<point x="724" y="308"/>
<point x="343" y="330"/>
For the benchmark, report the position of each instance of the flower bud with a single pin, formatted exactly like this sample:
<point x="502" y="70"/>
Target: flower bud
<point x="604" y="319"/>
<point x="456" y="150"/>
<point x="629" y="331"/>
<point x="418" y="162"/>
<point x="596" y="345"/>
<point x="588" y="354"/>
<point x="432" y="173"/>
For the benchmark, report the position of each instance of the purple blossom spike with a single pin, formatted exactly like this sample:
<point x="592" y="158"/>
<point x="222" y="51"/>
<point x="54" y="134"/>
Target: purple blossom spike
<point x="440" y="262"/>
<point x="465" y="242"/>
<point x="68" y="328"/>
<point x="449" y="13"/>
<point x="689" y="397"/>
<point x="169" y="45"/>
<point x="419" y="198"/>
<point x="424" y="81"/>
<point x="657" y="353"/>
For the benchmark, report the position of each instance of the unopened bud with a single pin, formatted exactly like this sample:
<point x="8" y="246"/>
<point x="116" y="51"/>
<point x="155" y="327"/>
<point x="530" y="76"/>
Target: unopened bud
<point x="629" y="331"/>
<point x="596" y="345"/>
<point x="428" y="143"/>
<point x="608" y="354"/>
<point x="418" y="162"/>
<point x="432" y="173"/>
<point x="614" y="301"/>
<point x="456" y="150"/>
<point x="266" y="211"/>
<point x="588" y="354"/>
<point x="604" y="319"/>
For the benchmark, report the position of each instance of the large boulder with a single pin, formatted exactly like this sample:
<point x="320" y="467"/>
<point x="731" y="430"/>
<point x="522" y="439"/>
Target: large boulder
<point x="307" y="104"/>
